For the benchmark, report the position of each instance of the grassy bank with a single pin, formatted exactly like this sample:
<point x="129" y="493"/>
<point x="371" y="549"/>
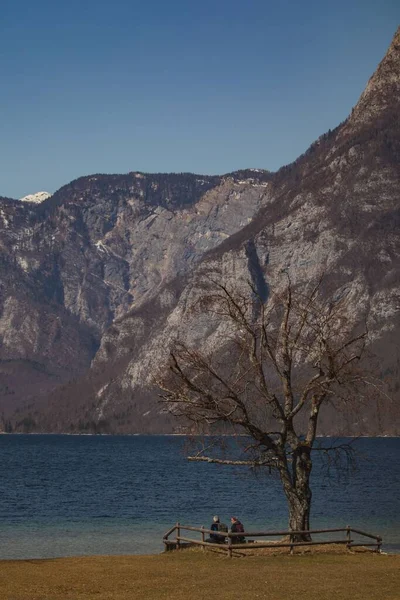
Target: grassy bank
<point x="190" y="575"/>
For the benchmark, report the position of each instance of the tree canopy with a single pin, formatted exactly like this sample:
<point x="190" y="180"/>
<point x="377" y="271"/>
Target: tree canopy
<point x="278" y="362"/>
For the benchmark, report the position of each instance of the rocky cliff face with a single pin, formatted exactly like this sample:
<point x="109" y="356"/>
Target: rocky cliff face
<point x="97" y="248"/>
<point x="117" y="262"/>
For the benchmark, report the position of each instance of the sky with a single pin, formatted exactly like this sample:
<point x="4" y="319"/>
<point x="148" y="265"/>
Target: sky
<point x="206" y="86"/>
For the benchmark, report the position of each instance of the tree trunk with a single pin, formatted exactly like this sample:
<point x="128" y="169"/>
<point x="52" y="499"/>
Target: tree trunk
<point x="297" y="489"/>
<point x="299" y="516"/>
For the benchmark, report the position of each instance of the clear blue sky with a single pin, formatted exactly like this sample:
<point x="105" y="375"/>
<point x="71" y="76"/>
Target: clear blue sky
<point x="209" y="86"/>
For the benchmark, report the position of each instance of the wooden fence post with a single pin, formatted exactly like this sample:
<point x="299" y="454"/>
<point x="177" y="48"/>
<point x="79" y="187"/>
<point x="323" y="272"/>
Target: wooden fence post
<point x="348" y="533"/>
<point x="178" y="535"/>
<point x="291" y="547"/>
<point x="203" y="539"/>
<point x="379" y="544"/>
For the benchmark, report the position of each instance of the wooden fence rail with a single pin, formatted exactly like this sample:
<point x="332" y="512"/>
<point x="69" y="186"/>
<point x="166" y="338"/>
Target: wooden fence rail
<point x="290" y="542"/>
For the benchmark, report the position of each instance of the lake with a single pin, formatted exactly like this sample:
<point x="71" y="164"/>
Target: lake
<point x="65" y="495"/>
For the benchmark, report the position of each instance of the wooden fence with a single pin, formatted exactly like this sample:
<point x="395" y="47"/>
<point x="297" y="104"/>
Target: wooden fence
<point x="289" y="542"/>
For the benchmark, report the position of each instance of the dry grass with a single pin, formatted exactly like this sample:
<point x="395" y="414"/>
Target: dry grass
<point x="193" y="574"/>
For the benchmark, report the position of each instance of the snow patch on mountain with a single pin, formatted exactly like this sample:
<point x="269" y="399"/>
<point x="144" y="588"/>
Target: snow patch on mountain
<point x="36" y="198"/>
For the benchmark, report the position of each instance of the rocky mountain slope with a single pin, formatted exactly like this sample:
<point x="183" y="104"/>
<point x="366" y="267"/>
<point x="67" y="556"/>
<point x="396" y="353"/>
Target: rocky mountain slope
<point x="99" y="246"/>
<point x="97" y="280"/>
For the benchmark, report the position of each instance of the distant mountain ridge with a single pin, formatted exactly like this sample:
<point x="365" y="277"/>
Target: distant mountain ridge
<point x="97" y="280"/>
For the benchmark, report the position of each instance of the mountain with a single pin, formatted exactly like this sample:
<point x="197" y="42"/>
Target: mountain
<point x="36" y="198"/>
<point x="99" y="246"/>
<point x="97" y="280"/>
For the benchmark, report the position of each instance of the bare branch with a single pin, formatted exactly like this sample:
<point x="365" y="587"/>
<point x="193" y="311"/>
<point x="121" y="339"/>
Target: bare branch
<point x="278" y="364"/>
<point x="246" y="463"/>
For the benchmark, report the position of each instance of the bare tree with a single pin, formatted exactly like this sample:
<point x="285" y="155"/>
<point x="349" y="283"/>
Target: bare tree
<point x="279" y="362"/>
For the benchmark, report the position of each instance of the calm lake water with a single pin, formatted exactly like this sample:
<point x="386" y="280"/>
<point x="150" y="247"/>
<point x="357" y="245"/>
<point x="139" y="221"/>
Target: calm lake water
<point x="76" y="495"/>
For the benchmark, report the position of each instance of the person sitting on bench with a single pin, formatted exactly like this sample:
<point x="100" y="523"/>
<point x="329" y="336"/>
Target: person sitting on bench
<point x="237" y="527"/>
<point x="216" y="525"/>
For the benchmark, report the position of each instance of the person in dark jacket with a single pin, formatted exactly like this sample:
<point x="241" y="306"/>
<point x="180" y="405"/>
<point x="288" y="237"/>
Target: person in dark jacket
<point x="215" y="538"/>
<point x="237" y="527"/>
